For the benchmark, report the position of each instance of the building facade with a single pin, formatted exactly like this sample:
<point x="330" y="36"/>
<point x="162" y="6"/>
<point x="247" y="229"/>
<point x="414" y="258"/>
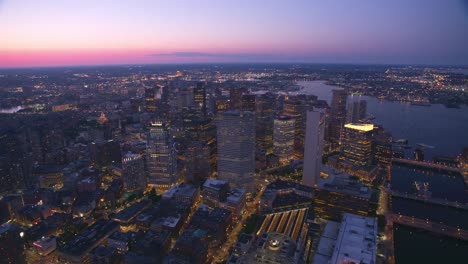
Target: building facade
<point x="314" y="138"/>
<point x="283" y="138"/>
<point x="133" y="168"/>
<point x="161" y="159"/>
<point x="236" y="149"/>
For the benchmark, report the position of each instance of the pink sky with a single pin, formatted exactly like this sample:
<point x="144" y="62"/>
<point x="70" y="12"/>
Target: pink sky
<point x="58" y="32"/>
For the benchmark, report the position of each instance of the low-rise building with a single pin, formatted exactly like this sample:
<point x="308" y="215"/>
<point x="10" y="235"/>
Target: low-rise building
<point x="354" y="240"/>
<point x="338" y="193"/>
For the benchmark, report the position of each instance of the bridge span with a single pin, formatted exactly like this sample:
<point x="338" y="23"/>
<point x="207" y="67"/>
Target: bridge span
<point x="437" y="228"/>
<point x="425" y="164"/>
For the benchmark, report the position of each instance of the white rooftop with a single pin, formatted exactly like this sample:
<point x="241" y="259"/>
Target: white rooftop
<point x="351" y="241"/>
<point x="356" y="240"/>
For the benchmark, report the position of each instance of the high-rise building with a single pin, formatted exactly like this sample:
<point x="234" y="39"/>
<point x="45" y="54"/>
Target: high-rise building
<point x="133" y="172"/>
<point x="337" y="114"/>
<point x="236" y="149"/>
<point x="197" y="167"/>
<point x="293" y="107"/>
<point x="15" y="162"/>
<point x="356" y="110"/>
<point x="314" y="137"/>
<point x="199" y="97"/>
<point x="235" y="94"/>
<point x="283" y="138"/>
<point x="264" y="122"/>
<point x="161" y="159"/>
<point x="356" y="147"/>
<point x="202" y="129"/>
<point x="221" y="105"/>
<point x="105" y="152"/>
<point x="248" y="102"/>
<point x="150" y="99"/>
<point x="382" y="147"/>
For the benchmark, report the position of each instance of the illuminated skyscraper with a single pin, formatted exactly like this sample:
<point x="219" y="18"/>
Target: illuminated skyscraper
<point x="199" y="97"/>
<point x="314" y="137"/>
<point x="264" y="105"/>
<point x="248" y="102"/>
<point x="133" y="172"/>
<point x="337" y="114"/>
<point x="356" y="147"/>
<point x="202" y="129"/>
<point x="236" y="149"/>
<point x="283" y="138"/>
<point x="150" y="99"/>
<point x="161" y="160"/>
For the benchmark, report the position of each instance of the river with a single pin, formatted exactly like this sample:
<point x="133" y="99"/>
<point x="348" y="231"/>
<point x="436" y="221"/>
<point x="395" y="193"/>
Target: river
<point x="443" y="128"/>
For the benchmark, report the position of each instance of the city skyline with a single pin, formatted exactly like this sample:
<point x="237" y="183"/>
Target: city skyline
<point x="51" y="33"/>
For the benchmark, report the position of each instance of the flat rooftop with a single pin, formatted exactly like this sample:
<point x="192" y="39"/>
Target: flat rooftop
<point x="360" y="127"/>
<point x="339" y="181"/>
<point x="214" y="184"/>
<point x="89" y="237"/>
<point x="132" y="211"/>
<point x="354" y="240"/>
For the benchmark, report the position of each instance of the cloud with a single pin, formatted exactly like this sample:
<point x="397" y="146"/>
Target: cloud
<point x="188" y="54"/>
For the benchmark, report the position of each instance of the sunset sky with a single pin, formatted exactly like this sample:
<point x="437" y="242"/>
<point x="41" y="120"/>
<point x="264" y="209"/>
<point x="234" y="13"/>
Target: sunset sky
<point x="95" y="32"/>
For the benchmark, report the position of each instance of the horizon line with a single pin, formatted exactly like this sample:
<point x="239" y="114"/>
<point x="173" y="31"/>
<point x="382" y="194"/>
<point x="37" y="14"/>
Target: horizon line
<point x="232" y="63"/>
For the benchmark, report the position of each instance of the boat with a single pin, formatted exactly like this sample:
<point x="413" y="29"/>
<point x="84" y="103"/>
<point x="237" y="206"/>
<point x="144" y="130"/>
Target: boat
<point x="422" y="145"/>
<point x="402" y="141"/>
<point x="422" y="189"/>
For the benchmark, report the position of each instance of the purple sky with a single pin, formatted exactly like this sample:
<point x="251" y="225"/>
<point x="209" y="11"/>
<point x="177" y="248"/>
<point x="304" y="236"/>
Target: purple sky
<point x="47" y="32"/>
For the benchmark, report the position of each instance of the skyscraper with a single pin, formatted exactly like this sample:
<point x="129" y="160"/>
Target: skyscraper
<point x="197" y="167"/>
<point x="283" y="138"/>
<point x="236" y="149"/>
<point x="150" y="99"/>
<point x="337" y="114"/>
<point x="357" y="144"/>
<point x="313" y="147"/>
<point x="133" y="172"/>
<point x="161" y="160"/>
<point x="264" y="106"/>
<point x="199" y="97"/>
<point x="248" y="102"/>
<point x="105" y="152"/>
<point x="235" y="95"/>
<point x="356" y="110"/>
<point x="202" y="129"/>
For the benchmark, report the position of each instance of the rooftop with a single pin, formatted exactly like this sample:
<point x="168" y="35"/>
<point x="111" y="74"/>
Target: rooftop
<point x="235" y="195"/>
<point x="357" y="240"/>
<point x="180" y="190"/>
<point x="89" y="237"/>
<point x="132" y="211"/>
<point x="214" y="184"/>
<point x="360" y="127"/>
<point x="339" y="181"/>
<point x="351" y="241"/>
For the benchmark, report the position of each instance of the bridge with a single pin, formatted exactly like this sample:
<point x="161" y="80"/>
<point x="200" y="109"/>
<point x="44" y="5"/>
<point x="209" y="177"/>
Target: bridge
<point x="425" y="164"/>
<point x="431" y="200"/>
<point x="429" y="226"/>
